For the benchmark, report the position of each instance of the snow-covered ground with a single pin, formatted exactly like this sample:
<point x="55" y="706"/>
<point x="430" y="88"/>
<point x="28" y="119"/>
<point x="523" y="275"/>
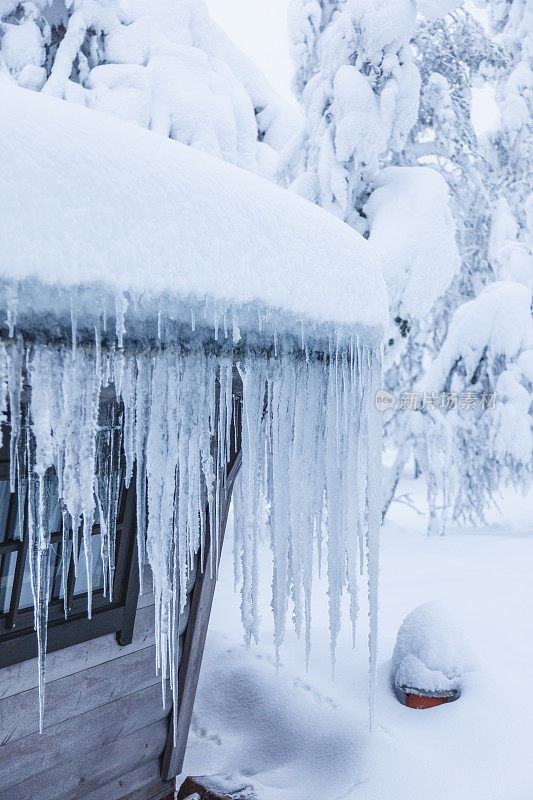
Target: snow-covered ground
<point x="299" y="735"/>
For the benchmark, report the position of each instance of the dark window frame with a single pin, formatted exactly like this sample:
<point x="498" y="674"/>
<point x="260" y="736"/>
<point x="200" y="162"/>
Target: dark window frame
<point x="17" y="635"/>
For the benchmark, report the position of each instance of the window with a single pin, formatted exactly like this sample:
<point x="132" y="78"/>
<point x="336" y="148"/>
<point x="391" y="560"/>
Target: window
<point x="17" y="635"/>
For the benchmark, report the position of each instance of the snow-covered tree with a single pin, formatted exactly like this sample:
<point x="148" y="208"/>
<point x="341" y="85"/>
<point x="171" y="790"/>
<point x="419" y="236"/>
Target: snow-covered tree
<point x="163" y="65"/>
<point x="452" y="53"/>
<point x="473" y="430"/>
<point x="510" y="147"/>
<point x="359" y="88"/>
<point x="308" y="19"/>
<point x="511" y="240"/>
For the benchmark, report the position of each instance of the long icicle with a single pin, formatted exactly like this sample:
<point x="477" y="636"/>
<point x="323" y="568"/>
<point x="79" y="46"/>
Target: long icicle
<point x="310" y="469"/>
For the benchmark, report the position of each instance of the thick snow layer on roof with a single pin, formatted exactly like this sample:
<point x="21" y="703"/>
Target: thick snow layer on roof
<point x="87" y="200"/>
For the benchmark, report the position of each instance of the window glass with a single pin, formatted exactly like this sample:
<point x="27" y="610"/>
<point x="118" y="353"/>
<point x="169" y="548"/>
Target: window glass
<point x="80" y="586"/>
<point x="4" y="508"/>
<point x="26" y="597"/>
<point x="12" y="553"/>
<point x="55" y="511"/>
<point x="56" y="577"/>
<point x="8" y="560"/>
<point x="7" y="572"/>
<point x="5" y="498"/>
<point x="56" y="582"/>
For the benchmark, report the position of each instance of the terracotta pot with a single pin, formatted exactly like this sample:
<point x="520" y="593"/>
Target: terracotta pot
<point x="422" y="701"/>
<point x="414" y="698"/>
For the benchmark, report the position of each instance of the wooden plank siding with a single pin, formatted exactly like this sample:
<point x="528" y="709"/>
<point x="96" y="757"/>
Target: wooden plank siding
<point x="75" y="736"/>
<point x="74" y="779"/>
<point x="105" y="726"/>
<point x="143" y="783"/>
<point x="62" y="663"/>
<point x="19" y="678"/>
<point x="76" y="694"/>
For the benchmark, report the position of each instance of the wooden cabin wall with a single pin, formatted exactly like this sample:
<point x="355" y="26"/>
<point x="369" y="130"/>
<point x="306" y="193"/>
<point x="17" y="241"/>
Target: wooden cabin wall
<point x="105" y="726"/>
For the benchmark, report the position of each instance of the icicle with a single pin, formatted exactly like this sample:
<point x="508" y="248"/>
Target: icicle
<point x="281" y="401"/>
<point x="3" y="391"/>
<point x="66" y="552"/>
<point x="162" y="461"/>
<point x="253" y="372"/>
<point x="109" y="442"/>
<point x="374" y="520"/>
<point x="310" y="443"/>
<point x="15" y="361"/>
<point x="127" y="392"/>
<point x="351" y="491"/>
<point x="236" y="331"/>
<point x="12" y="308"/>
<point x="40" y="465"/>
<point x="308" y="483"/>
<point x="143" y="392"/>
<point x="238" y="527"/>
<point x="336" y="545"/>
<point x="362" y="445"/>
<point x="74" y="323"/>
<point x="121" y="306"/>
<point x="98" y="350"/>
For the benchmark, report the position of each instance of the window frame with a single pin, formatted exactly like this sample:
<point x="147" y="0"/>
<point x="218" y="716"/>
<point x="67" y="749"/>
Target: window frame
<point x="18" y="641"/>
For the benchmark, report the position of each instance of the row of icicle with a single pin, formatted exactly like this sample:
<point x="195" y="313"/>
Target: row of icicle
<point x="309" y="480"/>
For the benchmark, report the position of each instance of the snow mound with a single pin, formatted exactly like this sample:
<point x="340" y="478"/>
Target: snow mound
<point x="90" y="201"/>
<point x="431" y="652"/>
<point x="413" y="232"/>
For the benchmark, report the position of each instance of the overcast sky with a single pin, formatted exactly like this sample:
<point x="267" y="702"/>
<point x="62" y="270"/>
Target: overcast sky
<point x="259" y="27"/>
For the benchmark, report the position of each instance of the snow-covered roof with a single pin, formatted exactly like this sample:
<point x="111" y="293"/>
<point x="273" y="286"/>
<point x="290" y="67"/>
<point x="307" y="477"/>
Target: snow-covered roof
<point x="90" y="201"/>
